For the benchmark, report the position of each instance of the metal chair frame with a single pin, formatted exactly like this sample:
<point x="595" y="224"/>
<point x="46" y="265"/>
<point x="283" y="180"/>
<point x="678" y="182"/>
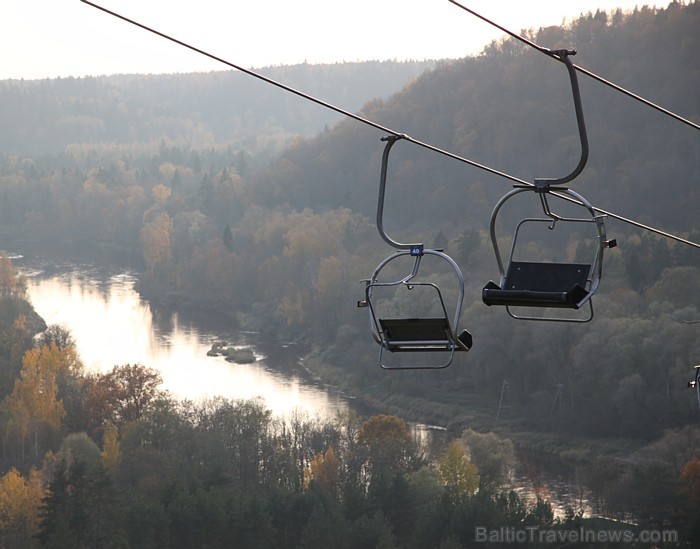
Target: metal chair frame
<point x="412" y="334"/>
<point x="416" y="334"/>
<point x="572" y="296"/>
<point x="505" y="294"/>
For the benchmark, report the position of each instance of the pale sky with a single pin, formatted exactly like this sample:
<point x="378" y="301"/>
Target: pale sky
<point x="52" y="38"/>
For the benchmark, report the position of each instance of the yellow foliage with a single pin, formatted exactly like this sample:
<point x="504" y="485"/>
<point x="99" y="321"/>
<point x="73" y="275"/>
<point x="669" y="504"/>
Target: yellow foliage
<point x="382" y="430"/>
<point x="13" y="496"/>
<point x="324" y="469"/>
<point x="33" y="399"/>
<point x="156" y="237"/>
<point x="160" y="192"/>
<point x="20" y="501"/>
<point x="110" y="450"/>
<point x="387" y="441"/>
<point x="460" y="477"/>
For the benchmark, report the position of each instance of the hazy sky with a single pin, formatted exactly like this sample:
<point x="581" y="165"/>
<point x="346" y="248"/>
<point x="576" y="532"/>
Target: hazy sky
<point x="51" y="38"/>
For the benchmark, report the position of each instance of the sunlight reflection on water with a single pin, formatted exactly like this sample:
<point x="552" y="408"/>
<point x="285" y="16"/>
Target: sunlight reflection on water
<point x="113" y="326"/>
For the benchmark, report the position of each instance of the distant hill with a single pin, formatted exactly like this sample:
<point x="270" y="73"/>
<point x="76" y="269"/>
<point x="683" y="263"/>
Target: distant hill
<point x="213" y="109"/>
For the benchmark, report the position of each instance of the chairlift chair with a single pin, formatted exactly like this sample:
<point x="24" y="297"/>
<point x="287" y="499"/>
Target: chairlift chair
<point x="547" y="284"/>
<point x="550" y="284"/>
<point x="434" y="333"/>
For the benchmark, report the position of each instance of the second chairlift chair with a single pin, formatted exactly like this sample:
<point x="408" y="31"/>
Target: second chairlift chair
<point x="549" y="284"/>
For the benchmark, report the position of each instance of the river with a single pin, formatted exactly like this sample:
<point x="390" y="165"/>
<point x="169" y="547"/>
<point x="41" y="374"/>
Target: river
<point x="112" y="325"/>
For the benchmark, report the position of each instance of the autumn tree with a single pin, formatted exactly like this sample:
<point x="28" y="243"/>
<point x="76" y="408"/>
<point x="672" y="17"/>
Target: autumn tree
<point x="324" y="471"/>
<point x="121" y="395"/>
<point x="20" y="499"/>
<point x="156" y="241"/>
<point x="388" y="447"/>
<point x="110" y="448"/>
<point x="70" y="377"/>
<point x="34" y="406"/>
<point x="457" y="474"/>
<point x="494" y="456"/>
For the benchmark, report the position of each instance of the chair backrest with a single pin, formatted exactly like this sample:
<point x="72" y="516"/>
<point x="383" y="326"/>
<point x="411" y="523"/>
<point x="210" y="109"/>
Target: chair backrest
<point x="545" y="277"/>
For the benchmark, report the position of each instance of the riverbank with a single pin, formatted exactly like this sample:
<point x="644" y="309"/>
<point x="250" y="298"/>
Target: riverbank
<point x="459" y="409"/>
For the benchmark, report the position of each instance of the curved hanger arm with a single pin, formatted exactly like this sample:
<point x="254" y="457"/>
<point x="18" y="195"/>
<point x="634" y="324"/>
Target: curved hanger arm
<point x="416" y="248"/>
<point x="563" y="56"/>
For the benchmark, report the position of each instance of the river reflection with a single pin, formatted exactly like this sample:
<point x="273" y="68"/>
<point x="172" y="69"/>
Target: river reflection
<point x="112" y="325"/>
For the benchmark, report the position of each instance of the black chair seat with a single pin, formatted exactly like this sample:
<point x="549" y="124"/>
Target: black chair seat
<point x="422" y="334"/>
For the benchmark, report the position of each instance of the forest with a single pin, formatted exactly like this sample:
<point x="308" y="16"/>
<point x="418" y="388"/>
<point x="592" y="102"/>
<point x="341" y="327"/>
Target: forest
<point x="259" y="208"/>
<point x="110" y="460"/>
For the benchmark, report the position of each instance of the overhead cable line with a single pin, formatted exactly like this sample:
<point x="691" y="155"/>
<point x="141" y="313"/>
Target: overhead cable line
<point x="373" y="124"/>
<point x="600" y="79"/>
